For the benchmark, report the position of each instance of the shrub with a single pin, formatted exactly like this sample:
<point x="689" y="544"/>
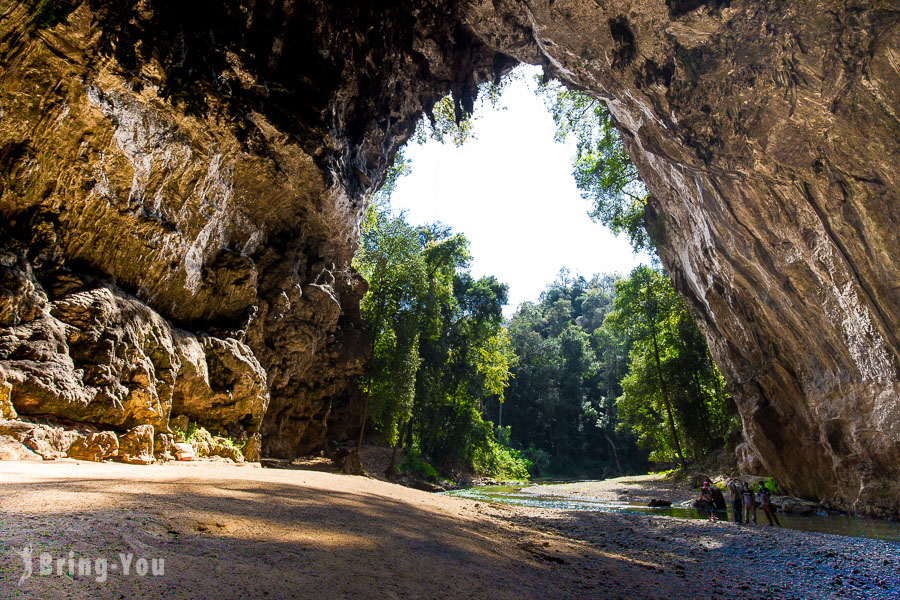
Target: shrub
<point x="539" y="461"/>
<point x="415" y="464"/>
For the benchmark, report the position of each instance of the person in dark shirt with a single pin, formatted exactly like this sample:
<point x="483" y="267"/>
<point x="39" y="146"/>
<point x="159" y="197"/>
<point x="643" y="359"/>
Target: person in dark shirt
<point x="706" y="497"/>
<point x="765" y="502"/>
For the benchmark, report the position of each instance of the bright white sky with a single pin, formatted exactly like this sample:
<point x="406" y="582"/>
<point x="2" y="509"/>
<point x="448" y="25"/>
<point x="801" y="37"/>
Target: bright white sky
<point x="511" y="192"/>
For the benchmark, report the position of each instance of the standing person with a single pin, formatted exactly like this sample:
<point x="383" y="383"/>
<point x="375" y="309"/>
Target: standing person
<point x="765" y="501"/>
<point x="749" y="503"/>
<point x="706" y="497"/>
<point x="736" y="500"/>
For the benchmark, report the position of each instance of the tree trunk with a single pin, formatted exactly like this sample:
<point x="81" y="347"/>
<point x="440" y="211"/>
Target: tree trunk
<point x="362" y="427"/>
<point x="665" y="392"/>
<point x="409" y="434"/>
<point x="615" y="454"/>
<point x="391" y="470"/>
<point x="704" y="414"/>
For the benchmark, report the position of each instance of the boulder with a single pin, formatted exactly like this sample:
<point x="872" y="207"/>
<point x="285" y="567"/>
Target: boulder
<point x="95" y="447"/>
<point x="13" y="449"/>
<point x="203" y="442"/>
<point x="50" y="442"/>
<point x="164" y="447"/>
<point x="7" y="410"/>
<point x="18" y="430"/>
<point x="179" y="426"/>
<point x="136" y="446"/>
<point x="226" y="450"/>
<point x="251" y="449"/>
<point x="795" y="506"/>
<point x="347" y="461"/>
<point x="220" y="385"/>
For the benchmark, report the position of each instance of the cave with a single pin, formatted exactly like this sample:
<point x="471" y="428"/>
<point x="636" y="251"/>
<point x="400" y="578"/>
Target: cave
<point x="181" y="186"/>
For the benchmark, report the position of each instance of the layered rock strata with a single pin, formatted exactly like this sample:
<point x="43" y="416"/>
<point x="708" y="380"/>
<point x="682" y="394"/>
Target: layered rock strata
<point x="207" y="162"/>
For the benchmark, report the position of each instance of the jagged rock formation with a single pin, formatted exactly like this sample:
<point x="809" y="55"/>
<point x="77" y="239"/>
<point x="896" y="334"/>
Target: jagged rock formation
<point x="196" y="172"/>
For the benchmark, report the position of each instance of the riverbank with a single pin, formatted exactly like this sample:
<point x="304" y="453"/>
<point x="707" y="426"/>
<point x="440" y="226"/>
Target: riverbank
<point x="245" y="532"/>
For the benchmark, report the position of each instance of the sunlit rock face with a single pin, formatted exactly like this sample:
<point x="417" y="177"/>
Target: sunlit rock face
<point x="769" y="134"/>
<point x="196" y="171"/>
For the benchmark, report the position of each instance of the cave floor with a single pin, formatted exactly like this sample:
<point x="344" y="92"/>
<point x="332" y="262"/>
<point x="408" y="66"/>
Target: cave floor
<point x="228" y="531"/>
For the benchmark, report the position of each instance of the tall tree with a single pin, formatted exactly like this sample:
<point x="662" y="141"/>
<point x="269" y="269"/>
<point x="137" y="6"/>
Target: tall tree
<point x="391" y="260"/>
<point x="642" y="306"/>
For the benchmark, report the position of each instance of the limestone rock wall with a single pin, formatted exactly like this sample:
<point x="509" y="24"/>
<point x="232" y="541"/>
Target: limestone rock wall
<point x="209" y="161"/>
<point x="769" y="135"/>
<point x="161" y="257"/>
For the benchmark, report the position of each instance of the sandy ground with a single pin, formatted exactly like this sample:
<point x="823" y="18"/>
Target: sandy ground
<point x="244" y="532"/>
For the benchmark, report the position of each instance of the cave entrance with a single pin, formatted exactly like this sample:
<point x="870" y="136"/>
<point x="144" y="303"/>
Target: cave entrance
<point x="452" y="381"/>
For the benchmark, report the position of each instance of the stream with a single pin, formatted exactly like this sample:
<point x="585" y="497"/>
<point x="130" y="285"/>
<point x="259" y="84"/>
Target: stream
<point x="847" y="525"/>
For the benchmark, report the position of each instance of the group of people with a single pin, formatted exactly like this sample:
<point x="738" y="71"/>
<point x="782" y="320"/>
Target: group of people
<point x="743" y="502"/>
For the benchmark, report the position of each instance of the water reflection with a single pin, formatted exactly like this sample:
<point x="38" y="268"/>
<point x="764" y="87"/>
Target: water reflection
<point x="836" y="524"/>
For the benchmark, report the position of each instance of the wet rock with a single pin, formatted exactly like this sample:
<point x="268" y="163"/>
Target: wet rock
<point x="136" y="446"/>
<point x="95" y="447"/>
<point x="797" y="506"/>
<point x="425" y="486"/>
<point x="658" y="503"/>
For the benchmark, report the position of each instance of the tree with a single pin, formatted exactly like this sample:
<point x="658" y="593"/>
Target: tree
<point x="391" y="260"/>
<point x="603" y="170"/>
<point x="561" y="399"/>
<point x="673" y="394"/>
<point x="642" y="306"/>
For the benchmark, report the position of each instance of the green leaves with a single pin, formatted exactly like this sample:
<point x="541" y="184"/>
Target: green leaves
<point x="602" y="169"/>
<point x="391" y="259"/>
<point x="439" y="349"/>
<point x="493" y="360"/>
<point x="668" y="348"/>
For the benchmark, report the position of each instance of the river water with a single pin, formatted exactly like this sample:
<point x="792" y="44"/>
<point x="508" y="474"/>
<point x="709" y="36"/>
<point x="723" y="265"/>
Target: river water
<point x="877" y="529"/>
